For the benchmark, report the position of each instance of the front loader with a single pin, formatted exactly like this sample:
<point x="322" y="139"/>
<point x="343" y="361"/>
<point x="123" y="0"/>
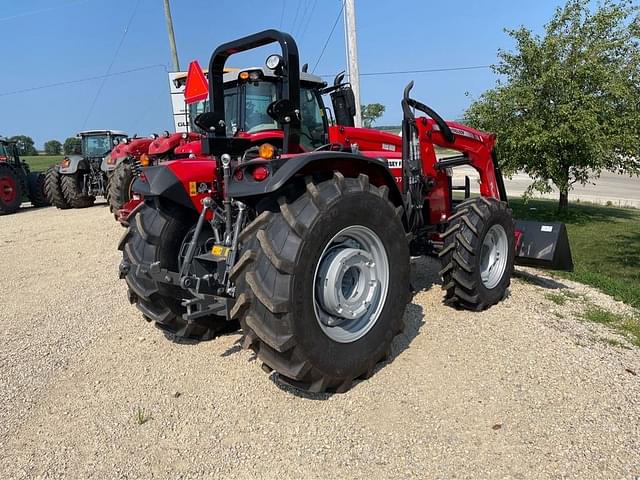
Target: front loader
<point x="310" y="250"/>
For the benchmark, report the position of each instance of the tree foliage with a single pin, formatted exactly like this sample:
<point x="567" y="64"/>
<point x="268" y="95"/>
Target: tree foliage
<point x="53" y="147"/>
<point x="72" y="145"/>
<point x="567" y="104"/>
<point x="25" y="145"/>
<point x="370" y="113"/>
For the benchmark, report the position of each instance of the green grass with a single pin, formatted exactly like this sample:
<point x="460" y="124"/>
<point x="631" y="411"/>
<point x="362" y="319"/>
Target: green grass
<point x="627" y="325"/>
<point x="140" y="416"/>
<point x="605" y="244"/>
<point x="556" y="298"/>
<point x="41" y="162"/>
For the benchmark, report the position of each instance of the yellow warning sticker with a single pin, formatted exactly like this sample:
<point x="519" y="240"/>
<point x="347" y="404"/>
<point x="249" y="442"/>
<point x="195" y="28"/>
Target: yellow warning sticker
<point x="220" y="251"/>
<point x="193" y="189"/>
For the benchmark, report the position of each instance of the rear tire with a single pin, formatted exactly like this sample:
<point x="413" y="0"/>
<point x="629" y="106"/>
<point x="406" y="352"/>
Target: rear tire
<point x="475" y="278"/>
<point x="11" y="189"/>
<point x="37" y="195"/>
<point x="281" y="262"/>
<point x="152" y="236"/>
<point x="73" y="193"/>
<point x="53" y="188"/>
<point x="119" y="191"/>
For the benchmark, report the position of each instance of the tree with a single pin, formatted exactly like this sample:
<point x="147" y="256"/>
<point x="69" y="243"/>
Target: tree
<point x="72" y="145"/>
<point x="25" y="145"/>
<point x="566" y="106"/>
<point x="371" y="113"/>
<point x="53" y="147"/>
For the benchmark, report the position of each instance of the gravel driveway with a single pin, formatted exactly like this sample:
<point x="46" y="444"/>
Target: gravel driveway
<point x="520" y="391"/>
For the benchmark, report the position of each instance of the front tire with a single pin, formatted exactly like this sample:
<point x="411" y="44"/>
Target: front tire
<point x="73" y="193"/>
<point x="120" y="184"/>
<point x="53" y="188"/>
<point x="157" y="236"/>
<point x="478" y="254"/>
<point x="299" y="306"/>
<point x="36" y="184"/>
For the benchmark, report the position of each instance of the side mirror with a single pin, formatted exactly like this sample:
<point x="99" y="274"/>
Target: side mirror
<point x="344" y="106"/>
<point x="282" y="111"/>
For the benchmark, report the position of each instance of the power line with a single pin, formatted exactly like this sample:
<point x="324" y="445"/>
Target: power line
<point x="329" y="37"/>
<point x="427" y="70"/>
<point x="43" y="10"/>
<point x="306" y="25"/>
<point x="295" y="19"/>
<point x="81" y="80"/>
<point x="113" y="60"/>
<point x="284" y="4"/>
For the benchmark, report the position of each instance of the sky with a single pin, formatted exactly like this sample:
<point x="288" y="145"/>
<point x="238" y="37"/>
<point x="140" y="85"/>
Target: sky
<point x="47" y="42"/>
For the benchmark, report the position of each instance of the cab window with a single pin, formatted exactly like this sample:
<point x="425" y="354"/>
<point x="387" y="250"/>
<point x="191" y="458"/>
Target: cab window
<point x="312" y="118"/>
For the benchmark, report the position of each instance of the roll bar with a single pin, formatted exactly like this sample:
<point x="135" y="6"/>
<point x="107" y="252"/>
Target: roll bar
<point x="289" y="73"/>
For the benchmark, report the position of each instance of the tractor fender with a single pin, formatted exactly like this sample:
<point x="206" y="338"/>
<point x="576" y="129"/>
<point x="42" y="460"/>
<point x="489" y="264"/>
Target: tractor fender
<point x="282" y="171"/>
<point x="72" y="163"/>
<point x="109" y="164"/>
<point x="160" y="181"/>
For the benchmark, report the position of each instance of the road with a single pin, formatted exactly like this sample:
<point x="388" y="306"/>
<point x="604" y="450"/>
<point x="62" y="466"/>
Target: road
<point x="620" y="190"/>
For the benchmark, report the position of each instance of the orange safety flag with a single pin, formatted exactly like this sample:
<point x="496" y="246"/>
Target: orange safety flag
<point x="197" y="88"/>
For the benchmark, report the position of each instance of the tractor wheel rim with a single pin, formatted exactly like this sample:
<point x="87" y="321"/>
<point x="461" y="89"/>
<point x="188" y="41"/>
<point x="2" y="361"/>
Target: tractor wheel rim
<point x="493" y="256"/>
<point x="350" y="284"/>
<point x="7" y="189"/>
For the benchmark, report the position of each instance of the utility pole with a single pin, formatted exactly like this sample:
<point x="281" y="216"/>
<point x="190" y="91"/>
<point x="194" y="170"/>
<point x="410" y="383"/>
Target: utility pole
<point x="172" y="36"/>
<point x="352" y="55"/>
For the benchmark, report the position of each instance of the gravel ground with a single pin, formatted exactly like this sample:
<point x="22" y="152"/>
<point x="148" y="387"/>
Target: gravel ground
<point x="514" y="392"/>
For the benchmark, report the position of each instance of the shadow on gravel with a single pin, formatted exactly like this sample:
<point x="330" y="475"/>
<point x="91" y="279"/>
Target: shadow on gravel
<point x="539" y="281"/>
<point x="231" y="328"/>
<point x="414" y="320"/>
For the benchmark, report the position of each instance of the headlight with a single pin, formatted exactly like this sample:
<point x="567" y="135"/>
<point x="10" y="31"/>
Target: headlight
<point x="145" y="161"/>
<point x="273" y="61"/>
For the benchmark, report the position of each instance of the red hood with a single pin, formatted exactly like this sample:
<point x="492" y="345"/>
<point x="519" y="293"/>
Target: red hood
<point x="133" y="148"/>
<point x="194" y="148"/>
<point x="162" y="145"/>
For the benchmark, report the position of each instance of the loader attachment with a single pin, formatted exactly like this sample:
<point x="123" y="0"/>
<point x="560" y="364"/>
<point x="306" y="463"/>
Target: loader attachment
<point x="543" y="245"/>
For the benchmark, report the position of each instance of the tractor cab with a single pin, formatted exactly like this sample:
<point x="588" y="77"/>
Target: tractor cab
<point x="247" y="96"/>
<point x="98" y="143"/>
<point x="8" y="151"/>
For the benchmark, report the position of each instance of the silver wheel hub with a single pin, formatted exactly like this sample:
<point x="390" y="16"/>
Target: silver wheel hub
<point x="493" y="256"/>
<point x="351" y="283"/>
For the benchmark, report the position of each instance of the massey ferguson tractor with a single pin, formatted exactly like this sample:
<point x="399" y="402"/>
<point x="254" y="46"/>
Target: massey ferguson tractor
<point x="79" y="178"/>
<point x="248" y="93"/>
<point x="17" y="181"/>
<point x="132" y="155"/>
<point x="307" y="243"/>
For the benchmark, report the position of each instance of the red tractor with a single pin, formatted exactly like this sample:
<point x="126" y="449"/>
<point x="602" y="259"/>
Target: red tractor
<point x="17" y="181"/>
<point x="132" y="155"/>
<point x="309" y="248"/>
<point x="248" y="93"/>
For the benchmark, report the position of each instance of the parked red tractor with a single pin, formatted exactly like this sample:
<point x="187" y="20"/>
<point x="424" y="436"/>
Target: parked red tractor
<point x="16" y="180"/>
<point x="132" y="155"/>
<point x="248" y="93"/>
<point x="309" y="247"/>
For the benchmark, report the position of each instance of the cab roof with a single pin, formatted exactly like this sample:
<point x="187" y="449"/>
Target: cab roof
<point x="87" y="133"/>
<point x="266" y="72"/>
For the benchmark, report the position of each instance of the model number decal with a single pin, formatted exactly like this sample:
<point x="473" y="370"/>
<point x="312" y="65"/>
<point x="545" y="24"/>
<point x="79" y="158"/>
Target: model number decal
<point x="394" y="163"/>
